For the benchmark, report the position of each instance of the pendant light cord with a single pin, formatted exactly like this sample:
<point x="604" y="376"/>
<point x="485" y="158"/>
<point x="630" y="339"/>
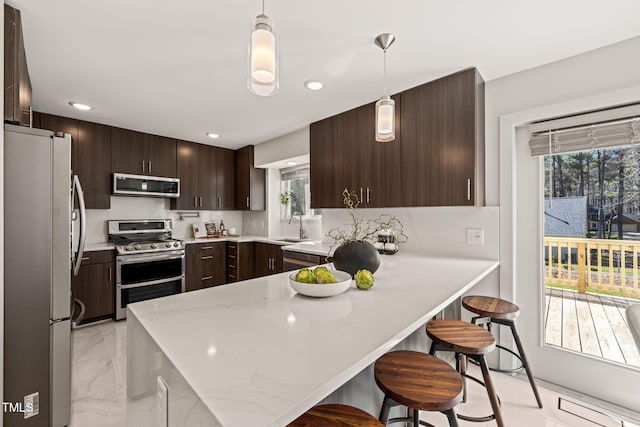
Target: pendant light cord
<point x="385" y="72"/>
<point x="263" y="7"/>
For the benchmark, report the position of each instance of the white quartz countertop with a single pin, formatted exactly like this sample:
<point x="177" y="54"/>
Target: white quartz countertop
<point x="89" y="247"/>
<point x="104" y="246"/>
<point x="259" y="354"/>
<point x="315" y="248"/>
<point x="240" y="239"/>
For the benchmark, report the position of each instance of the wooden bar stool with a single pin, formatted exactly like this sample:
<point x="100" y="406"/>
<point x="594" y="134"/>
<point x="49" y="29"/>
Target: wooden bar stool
<point x="420" y="382"/>
<point x="474" y="342"/>
<point x="495" y="310"/>
<point x="335" y="415"/>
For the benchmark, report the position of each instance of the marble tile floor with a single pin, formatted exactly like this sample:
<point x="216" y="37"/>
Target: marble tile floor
<point x="98" y="388"/>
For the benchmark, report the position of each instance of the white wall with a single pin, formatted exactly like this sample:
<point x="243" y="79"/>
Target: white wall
<point x="594" y="80"/>
<point x="151" y="208"/>
<point x="288" y="146"/>
<point x="438" y="231"/>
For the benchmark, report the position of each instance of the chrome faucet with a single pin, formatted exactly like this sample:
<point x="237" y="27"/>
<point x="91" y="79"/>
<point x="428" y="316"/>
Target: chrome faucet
<point x="299" y="217"/>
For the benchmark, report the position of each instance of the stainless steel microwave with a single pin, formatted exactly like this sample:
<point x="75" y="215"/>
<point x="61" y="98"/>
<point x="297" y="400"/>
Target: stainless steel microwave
<point x="142" y="185"/>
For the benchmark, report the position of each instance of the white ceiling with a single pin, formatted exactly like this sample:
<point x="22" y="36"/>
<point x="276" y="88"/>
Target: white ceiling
<point x="178" y="68"/>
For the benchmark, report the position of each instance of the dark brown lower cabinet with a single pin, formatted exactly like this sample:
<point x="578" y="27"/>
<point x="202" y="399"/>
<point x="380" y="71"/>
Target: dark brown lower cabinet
<point x="95" y="285"/>
<point x="205" y="265"/>
<point x="268" y="259"/>
<point x="246" y="264"/>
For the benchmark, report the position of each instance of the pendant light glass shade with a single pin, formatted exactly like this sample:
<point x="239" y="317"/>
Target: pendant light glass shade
<point x="385" y="107"/>
<point x="263" y="59"/>
<point x="385" y="120"/>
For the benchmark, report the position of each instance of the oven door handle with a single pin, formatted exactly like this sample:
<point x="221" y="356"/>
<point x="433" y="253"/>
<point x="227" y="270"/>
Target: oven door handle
<point x="152" y="282"/>
<point x="134" y="259"/>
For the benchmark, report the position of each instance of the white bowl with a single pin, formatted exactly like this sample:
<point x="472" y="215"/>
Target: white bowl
<point x="322" y="289"/>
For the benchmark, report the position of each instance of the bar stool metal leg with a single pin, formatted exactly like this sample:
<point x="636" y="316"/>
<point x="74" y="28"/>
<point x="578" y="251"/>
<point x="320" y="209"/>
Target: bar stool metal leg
<point x="491" y="391"/>
<point x="451" y="416"/>
<point x="525" y="362"/>
<point x="384" y="411"/>
<point x="520" y="355"/>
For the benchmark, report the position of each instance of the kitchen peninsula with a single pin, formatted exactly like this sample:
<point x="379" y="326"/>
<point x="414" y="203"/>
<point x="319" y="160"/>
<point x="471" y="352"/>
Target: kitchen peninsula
<point x="255" y="353"/>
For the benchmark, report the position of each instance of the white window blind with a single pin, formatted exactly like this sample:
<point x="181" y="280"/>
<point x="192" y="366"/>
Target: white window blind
<point x="294" y="172"/>
<point x="591" y="131"/>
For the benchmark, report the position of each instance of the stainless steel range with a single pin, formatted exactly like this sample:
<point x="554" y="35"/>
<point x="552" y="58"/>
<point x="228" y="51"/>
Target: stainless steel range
<point x="149" y="261"/>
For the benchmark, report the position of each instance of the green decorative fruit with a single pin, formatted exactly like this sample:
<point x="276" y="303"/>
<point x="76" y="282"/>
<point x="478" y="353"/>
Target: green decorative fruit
<point x="323" y="275"/>
<point x="364" y="279"/>
<point x="305" y="275"/>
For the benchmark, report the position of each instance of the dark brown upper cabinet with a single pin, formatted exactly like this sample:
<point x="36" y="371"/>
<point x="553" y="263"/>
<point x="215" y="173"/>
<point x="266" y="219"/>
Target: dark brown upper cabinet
<point x="17" y="83"/>
<point x="224" y="165"/>
<point x="249" y="182"/>
<point x="437" y="158"/>
<point x="442" y="146"/>
<point x="206" y="177"/>
<point x="90" y="155"/>
<point x="142" y="154"/>
<point x="345" y="154"/>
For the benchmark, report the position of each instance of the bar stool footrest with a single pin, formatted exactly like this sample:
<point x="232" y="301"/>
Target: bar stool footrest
<point x="408" y="420"/>
<point x="505" y="371"/>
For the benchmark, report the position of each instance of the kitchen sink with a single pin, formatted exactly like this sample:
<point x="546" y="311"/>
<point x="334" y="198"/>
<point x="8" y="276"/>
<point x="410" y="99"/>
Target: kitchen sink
<point x="293" y="240"/>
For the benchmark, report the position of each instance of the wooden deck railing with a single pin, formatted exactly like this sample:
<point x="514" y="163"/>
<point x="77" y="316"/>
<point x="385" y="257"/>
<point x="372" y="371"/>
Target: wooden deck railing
<point x="601" y="264"/>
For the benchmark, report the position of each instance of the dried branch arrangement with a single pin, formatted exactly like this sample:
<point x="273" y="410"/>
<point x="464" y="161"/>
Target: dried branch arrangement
<point x="365" y="229"/>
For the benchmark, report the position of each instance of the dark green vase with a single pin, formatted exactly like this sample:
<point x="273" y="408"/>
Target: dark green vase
<point x="356" y="255"/>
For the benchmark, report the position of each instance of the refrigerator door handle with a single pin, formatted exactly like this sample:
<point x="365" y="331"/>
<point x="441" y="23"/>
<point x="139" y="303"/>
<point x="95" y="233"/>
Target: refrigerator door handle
<point x="83" y="224"/>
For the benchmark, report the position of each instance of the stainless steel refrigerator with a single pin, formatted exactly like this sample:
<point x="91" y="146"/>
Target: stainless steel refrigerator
<point x="39" y="261"/>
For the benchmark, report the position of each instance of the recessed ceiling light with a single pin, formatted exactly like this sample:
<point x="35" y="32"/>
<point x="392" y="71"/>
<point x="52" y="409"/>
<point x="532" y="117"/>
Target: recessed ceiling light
<point x="213" y="135"/>
<point x="291" y="163"/>
<point x="79" y="106"/>
<point x="313" y="84"/>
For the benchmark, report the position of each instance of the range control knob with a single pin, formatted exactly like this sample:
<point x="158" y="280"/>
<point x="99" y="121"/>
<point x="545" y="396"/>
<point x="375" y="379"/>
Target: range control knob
<point x="168" y="244"/>
<point x="176" y="244"/>
<point x="137" y="247"/>
<point x="128" y="248"/>
<point x="153" y="246"/>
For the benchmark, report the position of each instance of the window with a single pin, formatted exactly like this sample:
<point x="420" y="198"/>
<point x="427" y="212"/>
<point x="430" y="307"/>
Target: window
<point x="295" y="192"/>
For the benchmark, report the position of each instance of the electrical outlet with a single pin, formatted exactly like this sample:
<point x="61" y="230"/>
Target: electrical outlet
<point x="475" y="236"/>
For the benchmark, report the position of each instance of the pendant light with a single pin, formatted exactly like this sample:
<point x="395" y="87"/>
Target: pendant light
<point x="263" y="58"/>
<point x="385" y="107"/>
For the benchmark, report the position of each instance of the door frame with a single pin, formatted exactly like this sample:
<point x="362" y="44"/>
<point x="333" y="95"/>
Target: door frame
<point x="521" y="240"/>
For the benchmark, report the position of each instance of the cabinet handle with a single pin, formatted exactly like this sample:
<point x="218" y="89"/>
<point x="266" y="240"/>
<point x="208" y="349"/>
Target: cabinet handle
<point x="207" y="278"/>
<point x="232" y="276"/>
<point x="207" y="257"/>
<point x="231" y="266"/>
<point x="232" y="256"/>
<point x="218" y="202"/>
<point x="232" y="246"/>
<point x="142" y="166"/>
<point x="149" y="166"/>
<point x="468" y="189"/>
<point x="361" y="196"/>
<point x="368" y="194"/>
<point x="200" y="201"/>
<point x="204" y="248"/>
<point x="195" y="202"/>
<point x="109" y="274"/>
<point x="85" y="258"/>
<point x="247" y="201"/>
